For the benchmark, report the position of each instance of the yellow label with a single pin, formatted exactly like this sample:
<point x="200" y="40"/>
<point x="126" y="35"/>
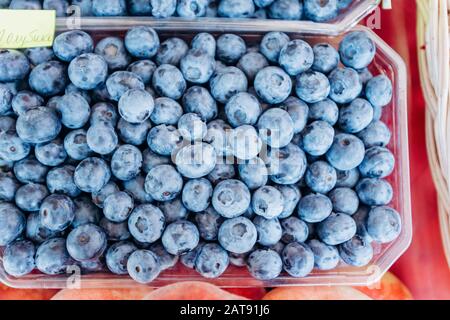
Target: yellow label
<point x="26" y="28"/>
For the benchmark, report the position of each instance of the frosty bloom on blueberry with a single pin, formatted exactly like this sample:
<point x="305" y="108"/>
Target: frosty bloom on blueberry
<point x="130" y="153"/>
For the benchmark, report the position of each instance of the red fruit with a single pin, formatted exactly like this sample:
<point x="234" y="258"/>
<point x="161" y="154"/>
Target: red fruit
<point x="7" y="293"/>
<point x="191" y="291"/>
<point x="135" y="293"/>
<point x="389" y="288"/>
<point x="315" y="293"/>
<point x="250" y="293"/>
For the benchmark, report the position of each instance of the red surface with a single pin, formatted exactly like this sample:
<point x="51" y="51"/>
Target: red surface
<point x="423" y="267"/>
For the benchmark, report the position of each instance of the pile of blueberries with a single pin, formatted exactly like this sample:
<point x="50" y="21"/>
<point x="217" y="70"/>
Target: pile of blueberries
<point x="314" y="10"/>
<point x="129" y="154"/>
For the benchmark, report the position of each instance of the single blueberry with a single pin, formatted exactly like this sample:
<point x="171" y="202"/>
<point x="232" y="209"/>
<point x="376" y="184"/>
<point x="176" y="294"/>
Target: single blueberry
<point x="121" y="81"/>
<point x="378" y="162"/>
<point x="345" y="85"/>
<point x="356" y="116"/>
<point x="273" y="85"/>
<point x="314" y="208"/>
<point x="191" y="127"/>
<point x="12" y="223"/>
<point x="379" y="91"/>
<point x="251" y="63"/>
<point x="14" y="65"/>
<point x="71" y="44"/>
<point x="196" y="160"/>
<point x="326" y="58"/>
<point x="117" y="207"/>
<point x="74" y="110"/>
<point x="57" y="212"/>
<point x="325" y="257"/>
<point x="8" y="188"/>
<point x="347" y="178"/>
<point x="294" y="230"/>
<point x="197" y="66"/>
<point x="163" y="183"/>
<point x="146" y="223"/>
<point x="135" y="134"/>
<point x="287" y="165"/>
<point x="208" y="223"/>
<point x="110" y="8"/>
<point x="164" y="139"/>
<point x="163" y="8"/>
<point x="253" y="173"/>
<point x="88" y="71"/>
<point x="236" y="8"/>
<point x="227" y="83"/>
<point x="75" y="144"/>
<point x="60" y="180"/>
<point x="325" y="110"/>
<point x="38" y="125"/>
<point x="92" y="174"/>
<point x="86" y="242"/>
<point x="142" y="42"/>
<point x="199" y="100"/>
<point x="272" y="43"/>
<point x="242" y="109"/>
<point x="18" y="258"/>
<point x="112" y="49"/>
<point x="357" y="50"/>
<point x="221" y="172"/>
<point x="269" y="230"/>
<point x="36" y="232"/>
<point x="211" y="261"/>
<point x="298" y="110"/>
<point x="13" y="148"/>
<point x="126" y="162"/>
<point x="296" y="57"/>
<point x="276" y="127"/>
<point x="29" y="170"/>
<point x="356" y="252"/>
<point x="197" y="194"/>
<point x="286" y="10"/>
<point x="117" y="256"/>
<point x="264" y="264"/>
<point x="376" y="134"/>
<point x="237" y="235"/>
<point x="171" y="51"/>
<point x="267" y="202"/>
<point x="26" y="100"/>
<point x="344" y="200"/>
<point x="52" y="257"/>
<point x="103" y="112"/>
<point x="102" y="138"/>
<point x="230" y="48"/>
<point x="231" y="198"/>
<point x="144" y="69"/>
<point x="336" y="229"/>
<point x="346" y="152"/>
<point x="320" y="11"/>
<point x="180" y="237"/>
<point x="383" y="224"/>
<point x="312" y="86"/>
<point x="298" y="259"/>
<point x="168" y="81"/>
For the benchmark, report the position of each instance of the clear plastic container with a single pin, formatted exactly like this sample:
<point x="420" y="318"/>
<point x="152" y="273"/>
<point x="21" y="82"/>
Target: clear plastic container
<point x="346" y="19"/>
<point x="386" y="61"/>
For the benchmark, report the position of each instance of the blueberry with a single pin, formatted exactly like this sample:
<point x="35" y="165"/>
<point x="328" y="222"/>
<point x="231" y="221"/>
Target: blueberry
<point x="345" y="85"/>
<point x="88" y="71"/>
<point x="291" y="196"/>
<point x="336" y="229"/>
<point x="218" y="136"/>
<point x="112" y="49"/>
<point x="74" y="110"/>
<point x="356" y="252"/>
<point x="118" y="206"/>
<point x="272" y="43"/>
<point x="168" y="81"/>
<point x="85" y="7"/>
<point x="346" y="153"/>
<point x="273" y="85"/>
<point x="374" y="192"/>
<point x="6" y="96"/>
<point x="13" y="148"/>
<point x="166" y="111"/>
<point x="38" y="125"/>
<point x="356" y="116"/>
<point x="102" y="138"/>
<point x="52" y="257"/>
<point x="317" y="138"/>
<point x="140" y="7"/>
<point x="142" y="42"/>
<point x="204" y="41"/>
<point x="245" y="142"/>
<point x="71" y="44"/>
<point x="7" y="124"/>
<point x="211" y="261"/>
<point x="191" y="127"/>
<point x="166" y="260"/>
<point x="163" y="8"/>
<point x="180" y="237"/>
<point x="312" y="86"/>
<point x="85" y="212"/>
<point x="264" y="264"/>
<point x="314" y="208"/>
<point x="298" y="259"/>
<point x="251" y="63"/>
<point x="117" y="256"/>
<point x="383" y="224"/>
<point x="171" y="51"/>
<point x="192" y="8"/>
<point x="296" y="57"/>
<point x="347" y="178"/>
<point x="136" y="105"/>
<point x="298" y="110"/>
<point x="268" y="202"/>
<point x="35" y="231"/>
<point x="196" y="160"/>
<point x="104" y="112"/>
<point x="199" y="100"/>
<point x="376" y="134"/>
<point x="173" y="210"/>
<point x="320" y="177"/>
<point x="126" y="162"/>
<point x="151" y="160"/>
<point x="230" y="48"/>
<point x="197" y="66"/>
<point x="115" y="231"/>
<point x="136" y="187"/>
<point x="237" y="235"/>
<point x="320" y="11"/>
<point x="196" y="194"/>
<point x="135" y="134"/>
<point x="163" y="183"/>
<point x="8" y="188"/>
<point x="60" y="180"/>
<point x="86" y="242"/>
<point x="164" y="139"/>
<point x="379" y="91"/>
<point x="378" y="162"/>
<point x="294" y="230"/>
<point x="276" y="127"/>
<point x="18" y="258"/>
<point x="269" y="230"/>
<point x="286" y="10"/>
<point x="12" y="223"/>
<point x="221" y="172"/>
<point x="326" y="58"/>
<point x="146" y="223"/>
<point x="143" y="266"/>
<point x="287" y="165"/>
<point x="121" y="81"/>
<point x="144" y="69"/>
<point x="30" y="170"/>
<point x="57" y="212"/>
<point x="14" y="65"/>
<point x="109" y="8"/>
<point x="357" y="50"/>
<point x="75" y="144"/>
<point x="325" y="110"/>
<point x="188" y="259"/>
<point x="48" y="78"/>
<point x="325" y="257"/>
<point x="253" y="173"/>
<point x="231" y="198"/>
<point x="98" y="197"/>
<point x="344" y="200"/>
<point x="208" y="223"/>
<point x="92" y="174"/>
<point x="227" y="83"/>
<point x="26" y="100"/>
<point x="242" y="109"/>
